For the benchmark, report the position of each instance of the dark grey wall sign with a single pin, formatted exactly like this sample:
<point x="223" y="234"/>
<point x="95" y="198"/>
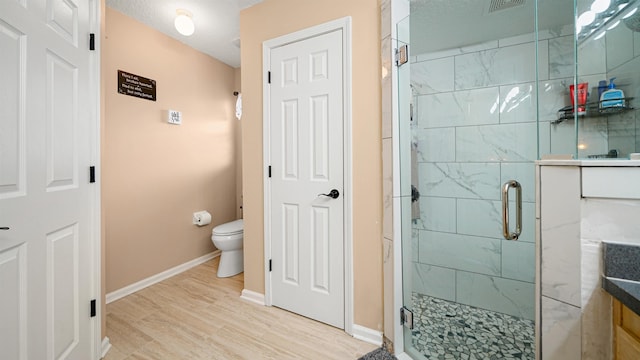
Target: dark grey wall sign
<point x="138" y="86"/>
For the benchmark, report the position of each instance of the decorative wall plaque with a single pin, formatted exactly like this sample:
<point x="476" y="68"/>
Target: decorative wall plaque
<point x="135" y="85"/>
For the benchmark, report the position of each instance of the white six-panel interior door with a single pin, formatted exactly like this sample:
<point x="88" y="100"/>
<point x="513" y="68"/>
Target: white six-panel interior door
<point x="47" y="141"/>
<point x="306" y="140"/>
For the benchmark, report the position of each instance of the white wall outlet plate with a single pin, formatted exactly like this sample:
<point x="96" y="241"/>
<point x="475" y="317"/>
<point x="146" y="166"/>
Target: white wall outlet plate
<point x="174" y="117"/>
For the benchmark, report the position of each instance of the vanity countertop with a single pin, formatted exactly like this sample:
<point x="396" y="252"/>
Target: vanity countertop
<point x="621" y="276"/>
<point x="626" y="291"/>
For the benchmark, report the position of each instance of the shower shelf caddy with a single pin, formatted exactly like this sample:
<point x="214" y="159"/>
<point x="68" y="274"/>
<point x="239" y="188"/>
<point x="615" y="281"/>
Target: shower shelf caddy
<point x="592" y="110"/>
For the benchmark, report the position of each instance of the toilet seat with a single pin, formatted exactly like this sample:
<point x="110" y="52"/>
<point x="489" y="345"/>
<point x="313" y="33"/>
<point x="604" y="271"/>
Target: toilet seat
<point x="231" y="228"/>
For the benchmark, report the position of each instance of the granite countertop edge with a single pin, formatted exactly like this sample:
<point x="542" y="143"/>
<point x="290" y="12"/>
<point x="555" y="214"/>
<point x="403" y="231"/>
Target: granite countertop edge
<point x="626" y="291"/>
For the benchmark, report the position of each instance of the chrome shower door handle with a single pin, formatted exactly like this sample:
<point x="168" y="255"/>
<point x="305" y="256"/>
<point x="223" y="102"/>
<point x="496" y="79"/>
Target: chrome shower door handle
<point x="505" y="210"/>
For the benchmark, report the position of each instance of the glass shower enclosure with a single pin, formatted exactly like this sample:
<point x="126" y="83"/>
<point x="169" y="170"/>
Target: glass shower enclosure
<point x="489" y="87"/>
<point x="486" y="92"/>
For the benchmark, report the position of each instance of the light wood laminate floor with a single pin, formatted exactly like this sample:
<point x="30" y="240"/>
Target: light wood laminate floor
<point x="195" y="315"/>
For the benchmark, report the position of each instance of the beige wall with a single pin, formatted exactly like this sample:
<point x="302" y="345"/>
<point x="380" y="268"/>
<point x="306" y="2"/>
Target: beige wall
<point x="155" y="175"/>
<point x="274" y="18"/>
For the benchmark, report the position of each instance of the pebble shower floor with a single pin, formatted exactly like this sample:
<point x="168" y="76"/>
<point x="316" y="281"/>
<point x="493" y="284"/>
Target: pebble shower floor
<point x="448" y="330"/>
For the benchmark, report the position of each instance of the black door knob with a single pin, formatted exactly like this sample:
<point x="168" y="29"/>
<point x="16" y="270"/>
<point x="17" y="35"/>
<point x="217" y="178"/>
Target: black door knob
<point x="4" y="228"/>
<point x="334" y="194"/>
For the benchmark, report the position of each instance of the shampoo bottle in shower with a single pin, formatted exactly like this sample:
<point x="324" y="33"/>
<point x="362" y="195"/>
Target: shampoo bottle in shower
<point x="612" y="97"/>
<point x="602" y="87"/>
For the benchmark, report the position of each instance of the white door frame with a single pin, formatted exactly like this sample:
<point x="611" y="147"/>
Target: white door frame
<point x="95" y="223"/>
<point x="343" y="24"/>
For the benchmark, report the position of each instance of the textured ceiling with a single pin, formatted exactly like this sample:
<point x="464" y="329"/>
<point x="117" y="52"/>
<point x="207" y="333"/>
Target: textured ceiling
<point x="435" y="24"/>
<point x="217" y="22"/>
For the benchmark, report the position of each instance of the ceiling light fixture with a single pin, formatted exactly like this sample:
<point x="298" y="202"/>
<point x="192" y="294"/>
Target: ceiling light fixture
<point x="603" y="14"/>
<point x="630" y="13"/>
<point x="599" y="6"/>
<point x="586" y="18"/>
<point x="613" y="26"/>
<point x="184" y="22"/>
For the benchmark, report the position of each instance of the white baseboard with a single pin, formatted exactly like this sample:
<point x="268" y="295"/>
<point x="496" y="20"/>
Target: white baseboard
<point x="106" y="346"/>
<point x="367" y="335"/>
<point x="252" y="296"/>
<point x="130" y="289"/>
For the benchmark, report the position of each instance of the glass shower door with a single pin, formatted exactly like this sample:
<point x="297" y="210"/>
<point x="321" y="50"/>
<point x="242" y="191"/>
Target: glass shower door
<point x="469" y="123"/>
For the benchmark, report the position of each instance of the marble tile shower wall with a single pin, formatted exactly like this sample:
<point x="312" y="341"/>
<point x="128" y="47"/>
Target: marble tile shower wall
<point x="475" y="128"/>
<point x="615" y="55"/>
<point x="623" y="62"/>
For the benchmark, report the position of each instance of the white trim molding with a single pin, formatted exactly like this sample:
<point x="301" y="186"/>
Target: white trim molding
<point x="130" y="289"/>
<point x="106" y="346"/>
<point x="95" y="215"/>
<point x="367" y="335"/>
<point x="400" y="9"/>
<point x="343" y="24"/>
<point x="252" y="296"/>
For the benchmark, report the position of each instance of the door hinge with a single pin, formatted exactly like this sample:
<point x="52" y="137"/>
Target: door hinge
<point x="269" y="170"/>
<point x="92" y="42"/>
<point x="93" y="308"/>
<point x="268" y="77"/>
<point x="92" y="174"/>
<point x="406" y="318"/>
<point x="402" y="55"/>
<point x="270" y="265"/>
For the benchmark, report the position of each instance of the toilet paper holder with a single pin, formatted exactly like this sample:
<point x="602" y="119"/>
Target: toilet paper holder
<point x="201" y="218"/>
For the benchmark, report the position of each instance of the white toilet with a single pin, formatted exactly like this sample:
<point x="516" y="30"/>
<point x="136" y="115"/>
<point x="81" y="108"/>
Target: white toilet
<point x="228" y="239"/>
